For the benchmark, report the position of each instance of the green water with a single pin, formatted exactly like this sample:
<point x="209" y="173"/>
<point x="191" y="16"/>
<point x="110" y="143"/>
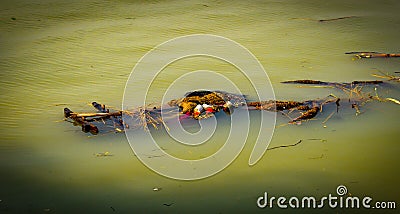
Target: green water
<point x="57" y="54"/>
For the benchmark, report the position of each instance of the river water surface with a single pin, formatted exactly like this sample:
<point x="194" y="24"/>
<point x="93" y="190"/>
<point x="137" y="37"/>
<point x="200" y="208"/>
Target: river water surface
<point x="57" y="54"/>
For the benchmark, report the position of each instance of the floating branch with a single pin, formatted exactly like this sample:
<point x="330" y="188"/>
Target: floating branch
<point x="367" y="82"/>
<point x="307" y="115"/>
<point x="79" y="120"/>
<point x="119" y="113"/>
<point x="85" y="119"/>
<point x="360" y="55"/>
<point x="203" y="104"/>
<point x="277" y="105"/>
<point x="314" y="82"/>
<point x="317" y="82"/>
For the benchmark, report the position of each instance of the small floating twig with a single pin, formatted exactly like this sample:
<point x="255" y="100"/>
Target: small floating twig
<point x="103" y="154"/>
<point x="327" y="118"/>
<point x="387" y="76"/>
<point x="393" y="100"/>
<point x="326" y="20"/>
<point x="285" y="146"/>
<point x="335" y="19"/>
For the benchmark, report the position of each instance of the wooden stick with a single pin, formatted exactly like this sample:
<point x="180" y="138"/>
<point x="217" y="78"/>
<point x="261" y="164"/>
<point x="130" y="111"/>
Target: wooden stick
<point x="118" y="113"/>
<point x="335" y="19"/>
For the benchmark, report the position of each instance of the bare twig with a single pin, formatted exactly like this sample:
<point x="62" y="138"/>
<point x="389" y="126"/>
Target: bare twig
<point x="285" y="146"/>
<point x="327" y="118"/>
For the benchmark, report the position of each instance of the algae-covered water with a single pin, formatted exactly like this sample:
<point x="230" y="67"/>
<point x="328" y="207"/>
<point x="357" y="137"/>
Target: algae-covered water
<point x="57" y="54"/>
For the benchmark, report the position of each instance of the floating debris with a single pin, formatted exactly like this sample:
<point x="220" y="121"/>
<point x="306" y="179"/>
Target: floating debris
<point x="307" y="115"/>
<point x="327" y="20"/>
<point x="368" y="82"/>
<point x="360" y="55"/>
<point x="356" y="107"/>
<point x="314" y="158"/>
<point x="285" y="146"/>
<point x="103" y="154"/>
<point x="85" y="119"/>
<point x="277" y="105"/>
<point x="335" y="84"/>
<point x="100" y="107"/>
<point x="204" y="104"/>
<point x="156" y="189"/>
<point x="387" y="76"/>
<point x="317" y="82"/>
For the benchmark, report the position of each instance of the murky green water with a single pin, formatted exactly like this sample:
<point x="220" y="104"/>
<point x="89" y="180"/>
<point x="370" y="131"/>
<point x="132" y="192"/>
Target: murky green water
<point x="56" y="54"/>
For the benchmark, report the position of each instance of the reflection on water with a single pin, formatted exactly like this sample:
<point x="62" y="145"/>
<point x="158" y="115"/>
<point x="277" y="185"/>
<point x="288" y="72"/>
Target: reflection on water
<point x="66" y="54"/>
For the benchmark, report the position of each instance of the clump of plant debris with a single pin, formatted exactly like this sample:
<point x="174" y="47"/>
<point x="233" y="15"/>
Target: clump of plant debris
<point x="204" y="104"/>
